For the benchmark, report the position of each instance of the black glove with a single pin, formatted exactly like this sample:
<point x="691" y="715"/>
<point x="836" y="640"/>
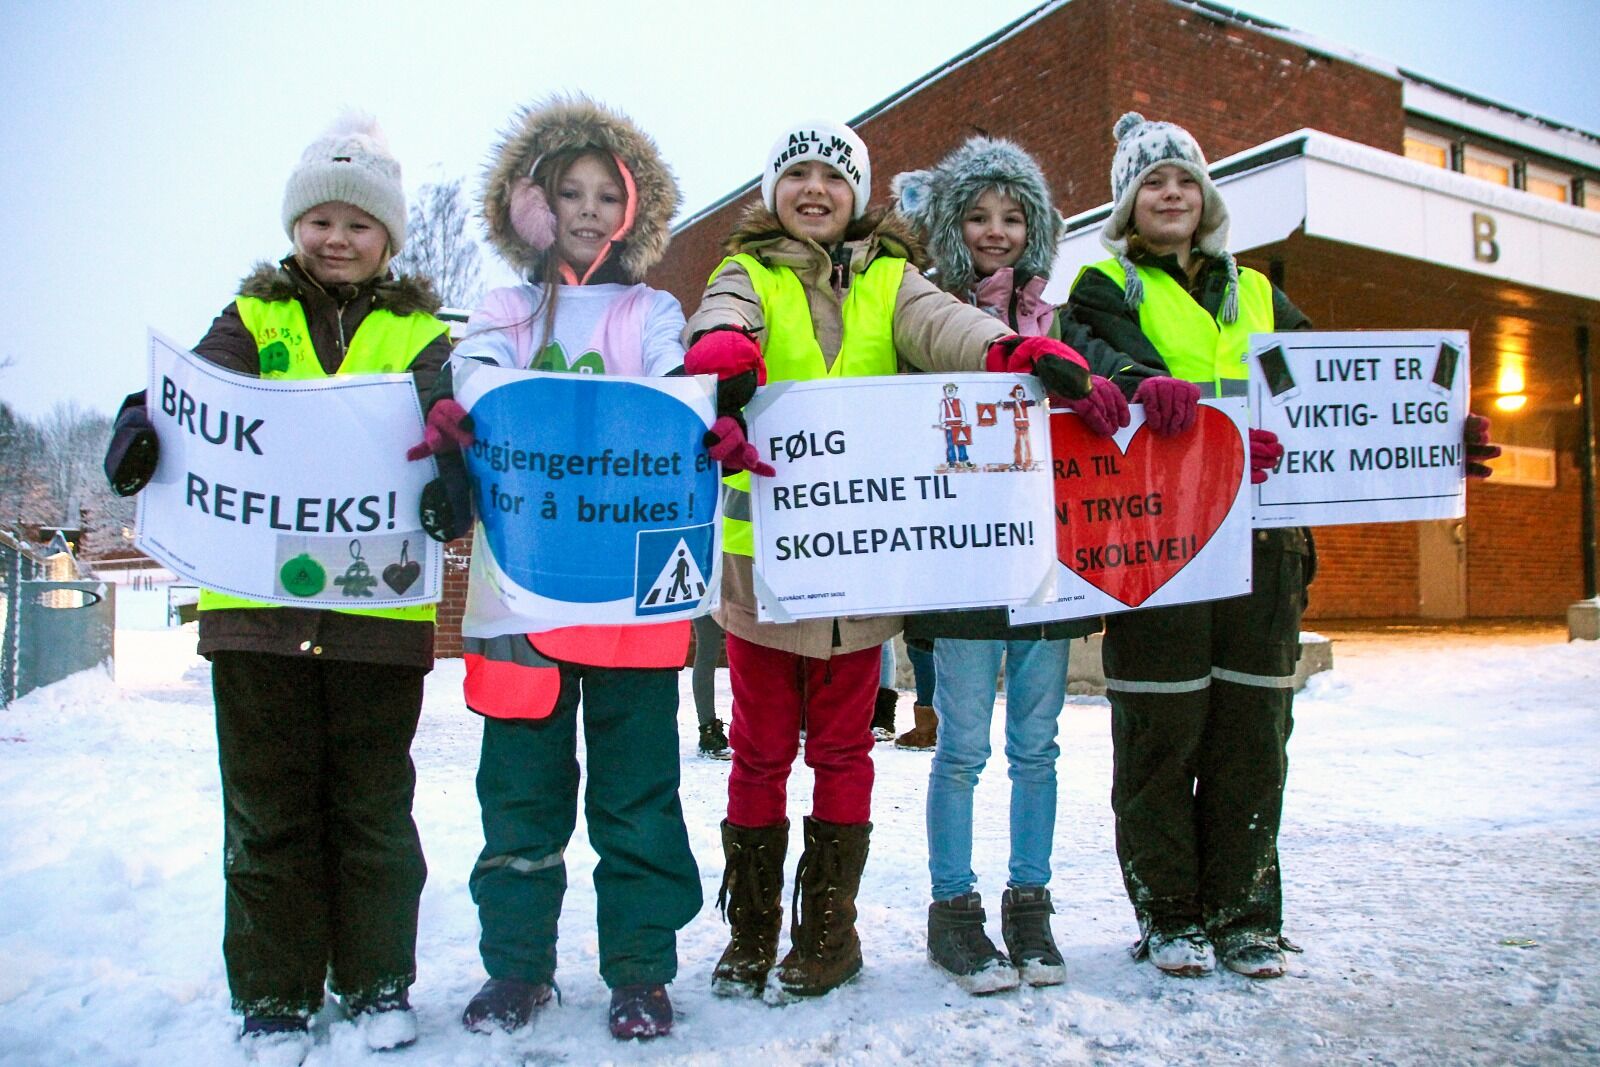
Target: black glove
<point x="134" y="450"/>
<point x="446" y="510"/>
<point x="1062" y="377"/>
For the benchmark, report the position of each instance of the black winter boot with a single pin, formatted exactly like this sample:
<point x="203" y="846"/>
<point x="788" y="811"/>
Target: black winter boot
<point x="504" y="1004"/>
<point x="751" y="900"/>
<point x="824" y="950"/>
<point x="1025" y="925"/>
<point x="958" y="946"/>
<point x="883" y="715"/>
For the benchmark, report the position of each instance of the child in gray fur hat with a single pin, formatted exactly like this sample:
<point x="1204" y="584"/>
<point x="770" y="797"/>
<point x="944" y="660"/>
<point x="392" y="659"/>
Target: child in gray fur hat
<point x="992" y="233"/>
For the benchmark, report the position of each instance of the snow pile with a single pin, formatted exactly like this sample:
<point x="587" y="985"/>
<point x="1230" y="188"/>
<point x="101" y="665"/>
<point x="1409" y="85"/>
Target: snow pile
<point x="1441" y="853"/>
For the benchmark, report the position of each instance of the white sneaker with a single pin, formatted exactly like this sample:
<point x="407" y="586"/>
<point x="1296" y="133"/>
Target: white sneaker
<point x="386" y="1030"/>
<point x="283" y="1049"/>
<point x="1185" y="953"/>
<point x="1256" y="957"/>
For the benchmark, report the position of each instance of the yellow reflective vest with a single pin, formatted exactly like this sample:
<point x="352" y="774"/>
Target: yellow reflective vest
<point x="791" y="352"/>
<point x="384" y="343"/>
<point x="1196" y="347"/>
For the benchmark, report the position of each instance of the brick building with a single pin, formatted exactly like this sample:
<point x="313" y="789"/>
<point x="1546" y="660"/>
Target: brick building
<point x="1374" y="197"/>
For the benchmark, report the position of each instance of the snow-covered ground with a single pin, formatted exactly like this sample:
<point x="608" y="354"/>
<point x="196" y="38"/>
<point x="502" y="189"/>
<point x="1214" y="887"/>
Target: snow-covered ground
<point x="1441" y="852"/>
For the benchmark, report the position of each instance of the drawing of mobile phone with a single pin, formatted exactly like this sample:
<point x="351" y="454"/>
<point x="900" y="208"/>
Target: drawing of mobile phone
<point x="1275" y="369"/>
<point x="1444" y="368"/>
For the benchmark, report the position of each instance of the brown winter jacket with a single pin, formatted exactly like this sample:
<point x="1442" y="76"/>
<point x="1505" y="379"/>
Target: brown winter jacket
<point x="332" y="318"/>
<point x="932" y="331"/>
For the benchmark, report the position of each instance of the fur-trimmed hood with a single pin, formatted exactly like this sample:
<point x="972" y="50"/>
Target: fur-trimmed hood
<point x="571" y="123"/>
<point x="405" y="295"/>
<point x="936" y="200"/>
<point x="759" y="230"/>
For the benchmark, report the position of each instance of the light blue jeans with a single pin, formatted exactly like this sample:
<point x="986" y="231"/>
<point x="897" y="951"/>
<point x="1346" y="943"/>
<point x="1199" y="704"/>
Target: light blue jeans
<point x="1036" y="686"/>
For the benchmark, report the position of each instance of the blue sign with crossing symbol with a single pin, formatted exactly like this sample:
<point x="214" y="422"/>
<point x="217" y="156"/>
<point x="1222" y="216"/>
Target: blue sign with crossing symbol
<point x="595" y="498"/>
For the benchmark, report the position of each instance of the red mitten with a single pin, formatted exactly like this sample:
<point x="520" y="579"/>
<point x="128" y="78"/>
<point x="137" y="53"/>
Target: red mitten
<point x="1062" y="370"/>
<point x="726" y="352"/>
<point x="1265" y="451"/>
<point x="725" y="442"/>
<point x="1170" y="405"/>
<point x="449" y="428"/>
<point x="1475" y="435"/>
<point x="1105" y="410"/>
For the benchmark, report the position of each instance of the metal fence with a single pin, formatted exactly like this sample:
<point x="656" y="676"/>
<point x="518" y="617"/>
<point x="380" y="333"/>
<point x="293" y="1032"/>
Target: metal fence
<point x="50" y="628"/>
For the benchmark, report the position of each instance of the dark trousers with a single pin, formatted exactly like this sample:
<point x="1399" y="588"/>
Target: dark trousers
<point x="1201" y="711"/>
<point x="647" y="885"/>
<point x="321" y="858"/>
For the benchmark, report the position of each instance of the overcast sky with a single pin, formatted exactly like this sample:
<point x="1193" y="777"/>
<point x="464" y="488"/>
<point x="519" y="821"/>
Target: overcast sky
<point x="144" y="147"/>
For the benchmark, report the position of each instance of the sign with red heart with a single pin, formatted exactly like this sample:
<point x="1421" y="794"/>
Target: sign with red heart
<point x="1143" y="519"/>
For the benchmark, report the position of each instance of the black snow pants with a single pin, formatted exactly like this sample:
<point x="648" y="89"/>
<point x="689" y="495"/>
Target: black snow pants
<point x="1201" y="698"/>
<point x="321" y="858"/>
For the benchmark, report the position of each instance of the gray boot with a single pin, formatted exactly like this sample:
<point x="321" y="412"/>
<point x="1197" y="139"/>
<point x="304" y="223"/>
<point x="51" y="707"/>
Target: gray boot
<point x="958" y="946"/>
<point x="1025" y="926"/>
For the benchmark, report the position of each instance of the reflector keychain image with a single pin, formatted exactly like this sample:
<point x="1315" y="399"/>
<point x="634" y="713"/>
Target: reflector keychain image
<point x="357" y="580"/>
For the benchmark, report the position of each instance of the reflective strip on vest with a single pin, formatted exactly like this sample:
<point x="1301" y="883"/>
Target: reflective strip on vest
<point x="1194" y="345"/>
<point x="384" y="343"/>
<point x="791" y="352"/>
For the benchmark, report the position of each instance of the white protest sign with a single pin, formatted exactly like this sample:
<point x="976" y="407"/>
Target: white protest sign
<point x="913" y="493"/>
<point x="596" y="501"/>
<point x="1145" y="521"/>
<point x="291" y="492"/>
<point x="1370" y="423"/>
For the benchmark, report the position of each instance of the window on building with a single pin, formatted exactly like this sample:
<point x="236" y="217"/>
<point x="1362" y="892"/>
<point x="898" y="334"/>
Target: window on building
<point x="1487" y="166"/>
<point x="1548" y="183"/>
<point x="1426" y="148"/>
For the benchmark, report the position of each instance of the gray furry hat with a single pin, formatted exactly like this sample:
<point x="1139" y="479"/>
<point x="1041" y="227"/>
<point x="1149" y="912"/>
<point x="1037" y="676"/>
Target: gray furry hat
<point x="937" y="201"/>
<point x="1142" y="146"/>
<point x="573" y="124"/>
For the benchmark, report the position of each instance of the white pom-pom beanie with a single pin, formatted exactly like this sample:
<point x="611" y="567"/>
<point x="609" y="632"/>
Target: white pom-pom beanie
<point x="831" y="142"/>
<point x="350" y="163"/>
<point x="1142" y="146"/>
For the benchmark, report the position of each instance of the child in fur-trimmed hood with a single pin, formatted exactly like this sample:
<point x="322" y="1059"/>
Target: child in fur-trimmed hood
<point x="993" y="230"/>
<point x="578" y="199"/>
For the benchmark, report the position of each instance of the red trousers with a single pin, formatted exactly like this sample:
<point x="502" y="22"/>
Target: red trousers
<point x="771" y="689"/>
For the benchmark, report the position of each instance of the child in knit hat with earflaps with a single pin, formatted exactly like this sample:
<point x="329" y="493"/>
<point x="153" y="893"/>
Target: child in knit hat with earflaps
<point x="1201" y="694"/>
<point x="316" y="709"/>
<point x="813" y="253"/>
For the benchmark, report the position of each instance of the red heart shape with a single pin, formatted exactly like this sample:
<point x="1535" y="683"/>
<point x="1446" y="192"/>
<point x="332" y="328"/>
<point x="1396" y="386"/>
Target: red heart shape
<point x="1126" y="522"/>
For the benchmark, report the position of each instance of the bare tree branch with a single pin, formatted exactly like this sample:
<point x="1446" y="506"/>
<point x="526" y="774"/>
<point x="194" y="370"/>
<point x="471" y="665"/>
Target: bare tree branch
<point x="439" y="247"/>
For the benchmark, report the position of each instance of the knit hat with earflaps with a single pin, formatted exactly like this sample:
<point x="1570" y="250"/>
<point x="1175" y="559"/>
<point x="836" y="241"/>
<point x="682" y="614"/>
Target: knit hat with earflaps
<point x="574" y="124"/>
<point x="1143" y="146"/>
<point x="937" y="201"/>
<point x="350" y="163"/>
<point x="833" y="143"/>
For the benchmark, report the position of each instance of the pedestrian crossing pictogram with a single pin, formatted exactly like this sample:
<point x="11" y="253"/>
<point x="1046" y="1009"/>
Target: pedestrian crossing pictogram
<point x="679" y="583"/>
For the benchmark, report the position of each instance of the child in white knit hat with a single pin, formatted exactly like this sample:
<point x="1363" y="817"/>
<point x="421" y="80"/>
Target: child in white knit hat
<point x="316" y="709"/>
<point x="816" y="285"/>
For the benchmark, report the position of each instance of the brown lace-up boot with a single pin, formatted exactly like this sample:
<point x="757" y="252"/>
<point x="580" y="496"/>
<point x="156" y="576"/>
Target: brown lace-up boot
<point x="751" y="900"/>
<point x="825" y="952"/>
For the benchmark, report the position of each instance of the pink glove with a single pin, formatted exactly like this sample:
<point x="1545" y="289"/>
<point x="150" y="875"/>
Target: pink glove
<point x="727" y="353"/>
<point x="1265" y="451"/>
<point x="1475" y="435"/>
<point x="1105" y="410"/>
<point x="725" y="443"/>
<point x="449" y="428"/>
<point x="1170" y="405"/>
